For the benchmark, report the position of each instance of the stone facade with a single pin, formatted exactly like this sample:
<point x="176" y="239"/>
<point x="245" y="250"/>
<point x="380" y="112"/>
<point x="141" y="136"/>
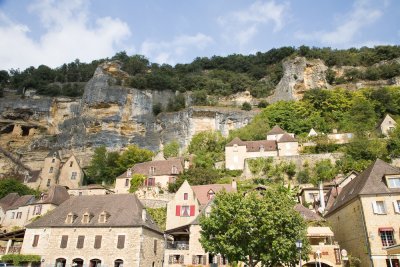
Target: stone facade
<point x="71" y="174"/>
<point x="138" y="249"/>
<point x="387" y="125"/>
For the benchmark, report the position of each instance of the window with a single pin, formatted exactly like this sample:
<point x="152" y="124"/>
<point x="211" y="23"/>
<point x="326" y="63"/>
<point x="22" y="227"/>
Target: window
<point x="53" y="160"/>
<point x="175" y="259"/>
<point x="129" y="172"/>
<point x="387" y="237"/>
<point x="379" y="207"/>
<point x="235" y="148"/>
<point x="261" y="148"/>
<point x="121" y="241"/>
<point x="81" y="241"/>
<point x="155" y="246"/>
<point x="70" y="218"/>
<point x="152" y="170"/>
<point x="396" y="205"/>
<point x="118" y="263"/>
<point x="210" y="194"/>
<point x="51" y="170"/>
<point x="185" y="211"/>
<point x="48" y="182"/>
<point x="64" y="241"/>
<point x="185" y="196"/>
<point x="127" y="182"/>
<point x="97" y="241"/>
<point x="392" y="263"/>
<point x="151" y="181"/>
<point x="35" y="241"/>
<point x="71" y="163"/>
<point x="37" y="210"/>
<point x="394" y="182"/>
<point x="103" y="217"/>
<point x="19" y="215"/>
<point x="73" y="175"/>
<point x="174" y="170"/>
<point x="86" y="218"/>
<point x="12" y="215"/>
<point x="199" y="259"/>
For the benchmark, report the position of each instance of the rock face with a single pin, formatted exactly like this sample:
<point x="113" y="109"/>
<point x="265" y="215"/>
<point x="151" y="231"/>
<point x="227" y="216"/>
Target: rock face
<point x="299" y="76"/>
<point x="107" y="114"/>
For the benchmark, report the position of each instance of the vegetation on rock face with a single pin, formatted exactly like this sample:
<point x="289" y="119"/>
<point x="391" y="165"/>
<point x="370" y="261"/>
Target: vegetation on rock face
<point x="136" y="181"/>
<point x="171" y="149"/>
<point x="258" y="73"/>
<point x="159" y="215"/>
<point x="255" y="228"/>
<point x="13" y="186"/>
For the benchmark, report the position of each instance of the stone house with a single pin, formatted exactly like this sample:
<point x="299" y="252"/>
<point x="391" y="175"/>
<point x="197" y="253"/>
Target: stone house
<point x="5" y="203"/>
<point x="365" y="215"/>
<point x="158" y="174"/>
<point x="56" y="172"/>
<point x="387" y="125"/>
<point x="183" y="229"/>
<point x="340" y="138"/>
<point x="324" y="248"/>
<point x="101" y="230"/>
<point x="278" y="143"/>
<point x="26" y="208"/>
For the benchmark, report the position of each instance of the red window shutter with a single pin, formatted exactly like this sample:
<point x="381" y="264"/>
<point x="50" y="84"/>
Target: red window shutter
<point x="178" y="210"/>
<point x="192" y="207"/>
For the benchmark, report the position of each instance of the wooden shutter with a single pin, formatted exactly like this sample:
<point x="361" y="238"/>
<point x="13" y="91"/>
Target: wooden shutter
<point x="204" y="259"/>
<point x="81" y="241"/>
<point x="97" y="241"/>
<point x="374" y="207"/>
<point x="64" y="241"/>
<point x="192" y="210"/>
<point x="396" y="206"/>
<point x="178" y="210"/>
<point x="35" y="240"/>
<point x="121" y="241"/>
<point x="155" y="246"/>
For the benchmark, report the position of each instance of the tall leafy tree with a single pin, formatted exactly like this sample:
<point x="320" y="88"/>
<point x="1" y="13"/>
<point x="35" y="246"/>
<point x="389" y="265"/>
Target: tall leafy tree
<point x="255" y="229"/>
<point x="132" y="155"/>
<point x="13" y="186"/>
<point x="171" y="149"/>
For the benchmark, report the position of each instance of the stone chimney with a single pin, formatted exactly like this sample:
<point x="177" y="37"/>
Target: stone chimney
<point x="144" y="215"/>
<point x="234" y="184"/>
<point x="321" y="197"/>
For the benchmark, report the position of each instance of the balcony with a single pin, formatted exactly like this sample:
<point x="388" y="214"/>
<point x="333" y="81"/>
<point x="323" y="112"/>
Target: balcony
<point x="178" y="245"/>
<point x="11" y="250"/>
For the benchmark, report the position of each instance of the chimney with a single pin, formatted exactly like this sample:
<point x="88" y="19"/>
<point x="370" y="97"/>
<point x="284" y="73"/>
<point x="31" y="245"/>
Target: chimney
<point x="321" y="197"/>
<point x="234" y="184"/>
<point x="144" y="215"/>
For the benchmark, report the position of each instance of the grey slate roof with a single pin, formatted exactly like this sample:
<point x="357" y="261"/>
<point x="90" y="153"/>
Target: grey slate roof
<point x="307" y="214"/>
<point x="8" y="200"/>
<point x="22" y="201"/>
<point x="54" y="152"/>
<point x="370" y="182"/>
<point x="125" y="210"/>
<point x="57" y="195"/>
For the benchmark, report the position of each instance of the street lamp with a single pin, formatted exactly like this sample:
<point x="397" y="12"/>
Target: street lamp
<point x="299" y="246"/>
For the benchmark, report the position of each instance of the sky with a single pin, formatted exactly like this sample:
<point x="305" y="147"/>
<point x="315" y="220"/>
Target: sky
<point x="53" y="32"/>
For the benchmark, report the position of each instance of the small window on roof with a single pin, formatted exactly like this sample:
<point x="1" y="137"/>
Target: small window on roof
<point x="70" y="218"/>
<point x="129" y="172"/>
<point x="393" y="182"/>
<point x="174" y="170"/>
<point x="210" y="194"/>
<point x="86" y="217"/>
<point x="103" y="217"/>
<point x="152" y="170"/>
<point x="235" y="148"/>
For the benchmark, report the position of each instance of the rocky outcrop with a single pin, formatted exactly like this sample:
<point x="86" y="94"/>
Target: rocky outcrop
<point x="300" y="75"/>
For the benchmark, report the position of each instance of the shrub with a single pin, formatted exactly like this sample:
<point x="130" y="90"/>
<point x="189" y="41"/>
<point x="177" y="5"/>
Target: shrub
<point x="246" y="106"/>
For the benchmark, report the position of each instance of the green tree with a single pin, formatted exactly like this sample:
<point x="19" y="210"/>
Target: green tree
<point x="393" y="144"/>
<point x="208" y="147"/>
<point x="13" y="186"/>
<point x="103" y="166"/>
<point x="132" y="155"/>
<point x="246" y="106"/>
<point x="196" y="176"/>
<point x="324" y="171"/>
<point x="159" y="215"/>
<point x="171" y="149"/>
<point x="255" y="228"/>
<point x="136" y="181"/>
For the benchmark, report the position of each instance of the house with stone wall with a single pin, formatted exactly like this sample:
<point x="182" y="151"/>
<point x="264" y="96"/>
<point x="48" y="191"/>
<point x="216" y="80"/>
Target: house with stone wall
<point x="278" y="143"/>
<point x="100" y="230"/>
<point x="183" y="230"/>
<point x="387" y="125"/>
<point x="365" y="215"/>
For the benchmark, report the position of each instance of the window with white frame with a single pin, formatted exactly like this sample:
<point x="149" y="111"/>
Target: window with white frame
<point x="396" y="205"/>
<point x="73" y="175"/>
<point x="185" y="211"/>
<point x="379" y="207"/>
<point x="394" y="182"/>
<point x="387" y="237"/>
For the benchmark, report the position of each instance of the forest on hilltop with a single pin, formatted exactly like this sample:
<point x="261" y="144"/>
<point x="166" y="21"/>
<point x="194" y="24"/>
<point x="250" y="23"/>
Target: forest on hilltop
<point x="259" y="73"/>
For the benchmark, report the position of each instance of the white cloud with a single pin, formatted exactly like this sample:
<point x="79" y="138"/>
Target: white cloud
<point x="243" y="25"/>
<point x="170" y="52"/>
<point x="362" y="15"/>
<point x="68" y="35"/>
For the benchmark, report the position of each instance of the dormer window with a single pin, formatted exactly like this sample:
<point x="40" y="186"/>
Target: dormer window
<point x="174" y="170"/>
<point x="235" y="148"/>
<point x="210" y="194"/>
<point x="103" y="217"/>
<point x="393" y="182"/>
<point x="129" y="172"/>
<point x="70" y="218"/>
<point x="86" y="217"/>
<point x="152" y="170"/>
<point x="261" y="148"/>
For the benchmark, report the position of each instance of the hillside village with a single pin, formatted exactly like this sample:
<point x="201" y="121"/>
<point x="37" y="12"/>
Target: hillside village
<point x="110" y="180"/>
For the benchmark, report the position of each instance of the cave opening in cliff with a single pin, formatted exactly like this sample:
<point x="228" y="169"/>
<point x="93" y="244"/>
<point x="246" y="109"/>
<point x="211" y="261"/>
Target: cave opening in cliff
<point x="25" y="130"/>
<point x="7" y="129"/>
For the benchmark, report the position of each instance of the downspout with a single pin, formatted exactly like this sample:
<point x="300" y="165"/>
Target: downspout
<point x="366" y="233"/>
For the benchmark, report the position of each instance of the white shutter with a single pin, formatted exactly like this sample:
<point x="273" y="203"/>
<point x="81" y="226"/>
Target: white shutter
<point x="374" y="207"/>
<point x="396" y="206"/>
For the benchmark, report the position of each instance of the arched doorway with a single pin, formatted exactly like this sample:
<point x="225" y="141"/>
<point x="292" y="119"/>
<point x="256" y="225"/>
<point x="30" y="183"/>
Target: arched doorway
<point x="61" y="262"/>
<point x="95" y="263"/>
<point x="118" y="263"/>
<point x="313" y="264"/>
<point x="77" y="262"/>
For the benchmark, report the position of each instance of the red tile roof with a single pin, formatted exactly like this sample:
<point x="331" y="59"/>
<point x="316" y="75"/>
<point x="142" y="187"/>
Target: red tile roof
<point x="201" y="191"/>
<point x="276" y="130"/>
<point x="286" y="138"/>
<point x="161" y="167"/>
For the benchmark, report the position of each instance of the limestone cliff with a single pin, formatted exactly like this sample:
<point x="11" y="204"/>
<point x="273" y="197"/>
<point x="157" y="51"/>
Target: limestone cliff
<point x="107" y="114"/>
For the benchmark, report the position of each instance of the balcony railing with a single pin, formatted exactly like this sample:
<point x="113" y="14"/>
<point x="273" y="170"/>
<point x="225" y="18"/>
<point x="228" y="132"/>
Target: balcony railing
<point x="11" y="250"/>
<point x="178" y="245"/>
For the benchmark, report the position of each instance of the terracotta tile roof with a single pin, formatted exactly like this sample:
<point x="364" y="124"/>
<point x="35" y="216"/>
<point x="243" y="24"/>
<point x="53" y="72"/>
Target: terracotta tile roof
<point x="201" y="191"/>
<point x="286" y="138"/>
<point x="236" y="141"/>
<point x="8" y="200"/>
<point x="276" y="130"/>
<point x="125" y="210"/>
<point x="370" y="181"/>
<point x="57" y="194"/>
<point x="307" y="214"/>
<point x="254" y="146"/>
<point x="162" y="167"/>
<point x="22" y="201"/>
